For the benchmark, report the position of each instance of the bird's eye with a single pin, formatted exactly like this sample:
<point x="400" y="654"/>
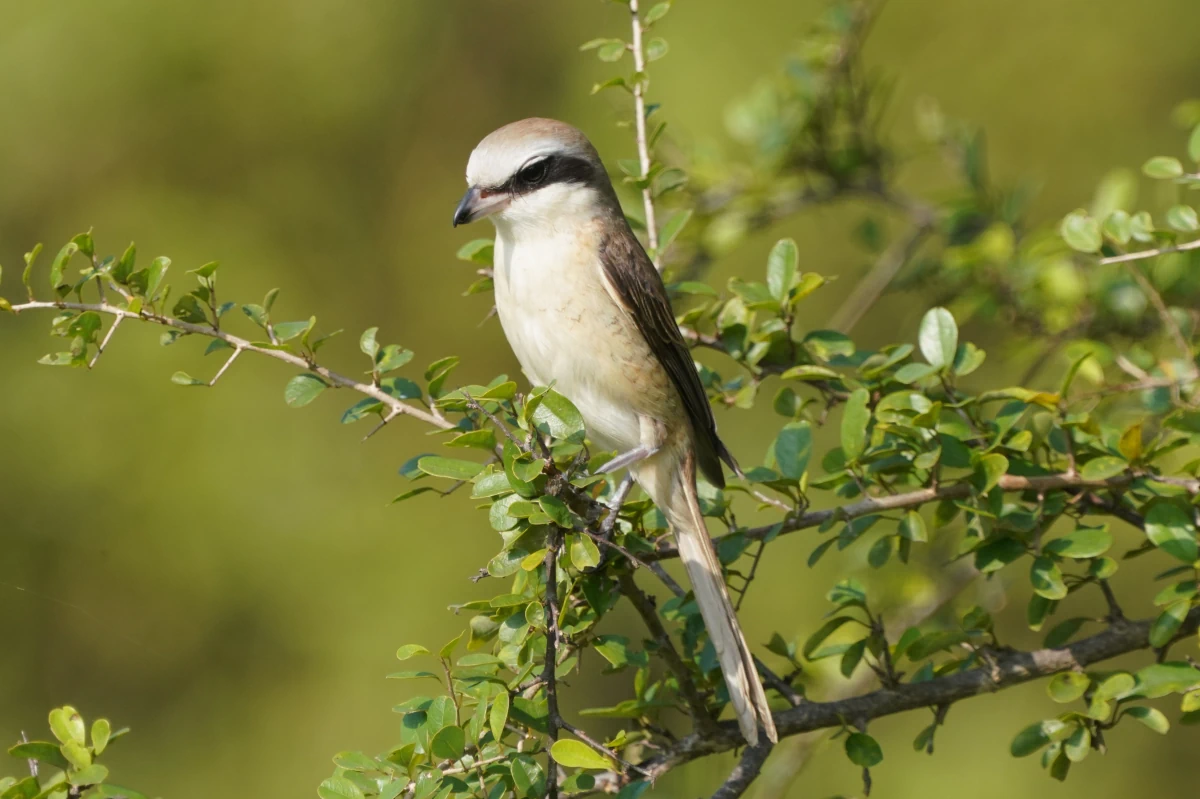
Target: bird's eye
<point x="535" y="173"/>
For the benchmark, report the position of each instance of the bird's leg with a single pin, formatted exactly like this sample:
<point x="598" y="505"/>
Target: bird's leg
<point x="638" y="453"/>
<point x="610" y="521"/>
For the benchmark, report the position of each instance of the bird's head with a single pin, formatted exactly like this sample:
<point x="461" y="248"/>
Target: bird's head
<point x="533" y="174"/>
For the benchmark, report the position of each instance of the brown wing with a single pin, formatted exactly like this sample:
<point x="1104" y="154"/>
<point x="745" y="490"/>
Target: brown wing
<point x="633" y="276"/>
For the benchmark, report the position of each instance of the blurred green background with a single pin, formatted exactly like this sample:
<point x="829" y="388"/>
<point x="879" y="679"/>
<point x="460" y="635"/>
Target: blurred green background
<point x="224" y="574"/>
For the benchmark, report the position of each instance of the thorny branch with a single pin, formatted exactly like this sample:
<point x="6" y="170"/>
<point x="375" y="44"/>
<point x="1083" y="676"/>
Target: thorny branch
<point x="395" y="406"/>
<point x="1007" y="669"/>
<point x="923" y="496"/>
<point x="643" y="143"/>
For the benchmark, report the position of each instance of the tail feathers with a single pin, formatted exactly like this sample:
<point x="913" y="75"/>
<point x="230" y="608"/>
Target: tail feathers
<point x="708" y="583"/>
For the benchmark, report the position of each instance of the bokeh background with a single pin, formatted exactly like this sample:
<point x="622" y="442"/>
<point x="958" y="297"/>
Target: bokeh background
<point x="224" y="574"/>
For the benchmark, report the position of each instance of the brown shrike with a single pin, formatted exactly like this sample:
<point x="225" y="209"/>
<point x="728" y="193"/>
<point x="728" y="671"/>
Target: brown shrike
<point x="584" y="309"/>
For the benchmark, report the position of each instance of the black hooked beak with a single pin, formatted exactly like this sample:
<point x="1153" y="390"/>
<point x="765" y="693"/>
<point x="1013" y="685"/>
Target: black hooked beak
<point x="466" y="207"/>
<point x="479" y="203"/>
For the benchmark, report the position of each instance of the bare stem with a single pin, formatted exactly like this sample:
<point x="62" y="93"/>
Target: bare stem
<point x="553" y="720"/>
<point x="240" y="344"/>
<point x="1142" y="254"/>
<point x="104" y="342"/>
<point x="643" y="143"/>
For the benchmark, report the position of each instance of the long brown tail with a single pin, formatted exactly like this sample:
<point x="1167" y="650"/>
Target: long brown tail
<point x="681" y="506"/>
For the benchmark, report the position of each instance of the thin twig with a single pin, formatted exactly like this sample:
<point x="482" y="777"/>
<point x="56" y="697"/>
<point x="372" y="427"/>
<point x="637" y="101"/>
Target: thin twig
<point x="238" y="343"/>
<point x="869" y="289"/>
<point x="643" y="146"/>
<point x="104" y="342"/>
<point x="1142" y="254"/>
<point x="1164" y="314"/>
<point x="1008" y="669"/>
<point x="911" y="499"/>
<point x="553" y="720"/>
<point x="225" y="366"/>
<point x="781" y="685"/>
<point x="33" y="764"/>
<point x="644" y="605"/>
<point x="745" y="772"/>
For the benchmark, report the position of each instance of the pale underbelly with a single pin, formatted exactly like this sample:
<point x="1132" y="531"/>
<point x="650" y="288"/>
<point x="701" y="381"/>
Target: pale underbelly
<point x="590" y="350"/>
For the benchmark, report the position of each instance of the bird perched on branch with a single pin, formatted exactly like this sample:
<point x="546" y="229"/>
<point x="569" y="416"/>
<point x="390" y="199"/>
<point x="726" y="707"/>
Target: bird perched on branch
<point x="584" y="308"/>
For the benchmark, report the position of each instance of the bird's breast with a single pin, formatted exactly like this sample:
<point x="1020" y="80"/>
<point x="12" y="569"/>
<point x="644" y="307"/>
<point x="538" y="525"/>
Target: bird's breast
<point x="565" y="328"/>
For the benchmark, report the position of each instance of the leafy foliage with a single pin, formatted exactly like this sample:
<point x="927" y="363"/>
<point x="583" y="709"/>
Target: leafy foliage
<point x="1044" y="483"/>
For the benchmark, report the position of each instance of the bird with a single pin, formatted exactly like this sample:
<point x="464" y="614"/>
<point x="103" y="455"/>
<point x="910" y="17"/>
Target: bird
<point x="585" y="310"/>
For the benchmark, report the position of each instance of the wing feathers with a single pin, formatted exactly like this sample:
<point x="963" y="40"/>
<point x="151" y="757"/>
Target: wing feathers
<point x="639" y="289"/>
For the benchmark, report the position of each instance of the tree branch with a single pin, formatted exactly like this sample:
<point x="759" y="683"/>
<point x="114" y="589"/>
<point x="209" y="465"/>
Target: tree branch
<point x="644" y="605"/>
<point x="913" y="499"/>
<point x="240" y="344"/>
<point x="1004" y="671"/>
<point x="747" y="769"/>
<point x="1138" y="256"/>
<point x="643" y="145"/>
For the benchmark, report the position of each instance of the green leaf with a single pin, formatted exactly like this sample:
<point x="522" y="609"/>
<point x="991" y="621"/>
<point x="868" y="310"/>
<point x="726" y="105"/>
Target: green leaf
<point x="1163" y="167"/>
<point x="449" y="646"/>
<point x="41" y="751"/>
<point x="367" y="342"/>
<point x="810" y="371"/>
<point x="67" y="725"/>
<point x="101" y="733"/>
<point x="339" y="788"/>
<point x="656" y="48"/>
<point x="1151" y="717"/>
<point x="479" y="439"/>
<point x="78" y="754"/>
<point x="783" y="267"/>
<point x="393" y="356"/>
<point x="575" y="754"/>
<point x="450" y="468"/>
<point x="1081" y="232"/>
<point x="991" y="469"/>
<point x="286" y="331"/>
<point x="1035" y="736"/>
<point x="60" y="262"/>
<point x="91" y="775"/>
<point x="611" y="51"/>
<point x="184" y="379"/>
<point x="1161" y="679"/>
<point x="1170" y="528"/>
<point x="1047" y="579"/>
<point x="1103" y="468"/>
<point x="499" y="714"/>
<point x="1167" y="624"/>
<point x="855" y="419"/>
<point x="584" y="553"/>
<point x="479" y="251"/>
<point x="1067" y="686"/>
<point x="188" y="309"/>
<point x="656" y="12"/>
<point x="1083" y="542"/>
<point x="938" y="337"/>
<point x="793" y="448"/>
<point x="558" y="511"/>
<point x="448" y="743"/>
<point x="1183" y="218"/>
<point x="1062" y="632"/>
<point x="912" y="527"/>
<point x="825" y="630"/>
<point x="672" y="228"/>
<point x="302" y="389"/>
<point x="410" y="650"/>
<point x="527" y="776"/>
<point x="863" y="750"/>
<point x="560" y="416"/>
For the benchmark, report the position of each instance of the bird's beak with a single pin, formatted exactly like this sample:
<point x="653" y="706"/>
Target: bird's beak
<point x="478" y="204"/>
